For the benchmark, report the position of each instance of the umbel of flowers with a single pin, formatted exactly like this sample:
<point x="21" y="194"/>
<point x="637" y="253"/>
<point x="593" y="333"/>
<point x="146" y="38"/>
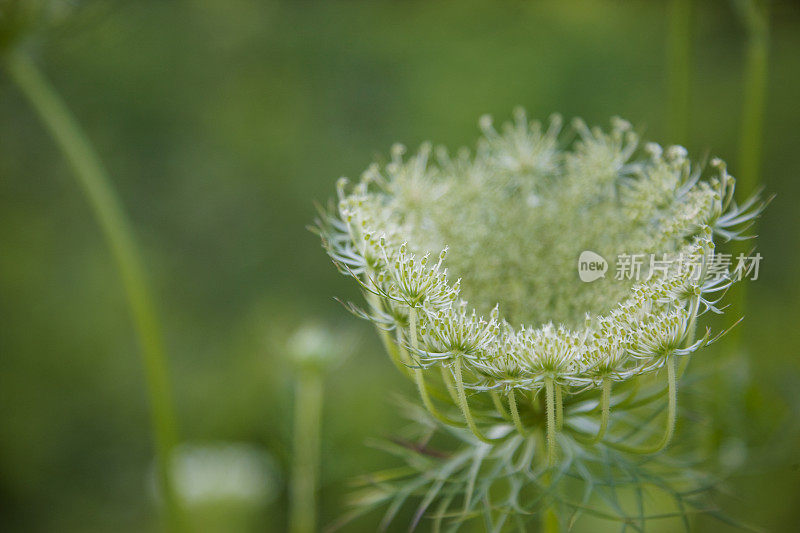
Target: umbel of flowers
<point x="468" y="263"/>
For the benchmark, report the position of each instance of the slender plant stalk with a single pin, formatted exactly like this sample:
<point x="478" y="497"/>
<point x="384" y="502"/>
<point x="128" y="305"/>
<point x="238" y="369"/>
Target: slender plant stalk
<point x="464" y="404"/>
<point x="307" y="422"/>
<point x="98" y="189"/>
<point x="551" y="421"/>
<point x="679" y="48"/>
<point x="755" y="16"/>
<point x="498" y="404"/>
<point x="512" y="405"/>
<point x="428" y="402"/>
<point x="755" y="92"/>
<point x="448" y="383"/>
<point x="605" y="410"/>
<point x="395" y="353"/>
<point x="550" y="523"/>
<point x="672" y="409"/>
<point x="419" y="378"/>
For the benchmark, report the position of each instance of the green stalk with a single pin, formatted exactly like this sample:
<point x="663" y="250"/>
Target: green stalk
<point x="550" y="523"/>
<point x="756" y="20"/>
<point x="419" y="378"/>
<point x="512" y="405"/>
<point x="464" y="404"/>
<point x="672" y="409"/>
<point x="605" y="410"/>
<point x="306" y="460"/>
<point x="551" y="421"/>
<point x="97" y="187"/>
<point x="679" y="48"/>
<point x="498" y="404"/>
<point x="394" y="352"/>
<point x="755" y="16"/>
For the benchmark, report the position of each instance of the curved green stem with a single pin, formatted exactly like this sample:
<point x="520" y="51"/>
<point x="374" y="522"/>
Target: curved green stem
<point x="419" y="378"/>
<point x="755" y="17"/>
<point x="512" y="406"/>
<point x="400" y="356"/>
<point x="498" y="404"/>
<point x="605" y="411"/>
<point x="672" y="405"/>
<point x="448" y="383"/>
<point x="605" y="414"/>
<point x="395" y="353"/>
<point x="97" y="187"/>
<point x="551" y="421"/>
<point x="464" y="405"/>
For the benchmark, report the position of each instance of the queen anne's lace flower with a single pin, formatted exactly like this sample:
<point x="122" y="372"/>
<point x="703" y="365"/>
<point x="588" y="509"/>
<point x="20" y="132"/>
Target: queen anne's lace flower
<point x="502" y="316"/>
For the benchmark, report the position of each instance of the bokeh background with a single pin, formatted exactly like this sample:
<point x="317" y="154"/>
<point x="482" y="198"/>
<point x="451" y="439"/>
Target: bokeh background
<point x="221" y="122"/>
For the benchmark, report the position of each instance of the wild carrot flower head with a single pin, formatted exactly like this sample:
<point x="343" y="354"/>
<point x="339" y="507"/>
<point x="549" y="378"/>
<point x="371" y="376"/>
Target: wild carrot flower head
<point x="469" y="264"/>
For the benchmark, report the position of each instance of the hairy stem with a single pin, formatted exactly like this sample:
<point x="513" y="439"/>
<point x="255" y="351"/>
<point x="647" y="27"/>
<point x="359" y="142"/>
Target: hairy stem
<point x="448" y="383"/>
<point x="605" y="410"/>
<point x="395" y="353"/>
<point x="551" y="421"/>
<point x="498" y="404"/>
<point x="98" y="189"/>
<point x="672" y="406"/>
<point x="512" y="406"/>
<point x="464" y="405"/>
<point x="550" y="523"/>
<point x="419" y="378"/>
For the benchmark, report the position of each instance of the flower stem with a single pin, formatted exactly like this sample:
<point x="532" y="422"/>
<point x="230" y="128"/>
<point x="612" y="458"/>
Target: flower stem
<point x="605" y="403"/>
<point x="755" y="16"/>
<point x="550" y="523"/>
<point x="97" y="187"/>
<point x="307" y="422"/>
<point x="464" y="405"/>
<point x="672" y="406"/>
<point x="551" y="421"/>
<point x="419" y="378"/>
<point x="512" y="406"/>
<point x="498" y="404"/>
<point x="756" y="19"/>
<point x="448" y="383"/>
<point x="397" y="356"/>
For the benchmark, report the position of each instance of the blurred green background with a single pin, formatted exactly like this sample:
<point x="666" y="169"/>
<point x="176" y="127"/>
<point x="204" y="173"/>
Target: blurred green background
<point x="221" y="122"/>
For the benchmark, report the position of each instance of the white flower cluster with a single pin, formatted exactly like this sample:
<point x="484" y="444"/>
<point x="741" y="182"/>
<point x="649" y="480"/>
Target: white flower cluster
<point x="509" y="223"/>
